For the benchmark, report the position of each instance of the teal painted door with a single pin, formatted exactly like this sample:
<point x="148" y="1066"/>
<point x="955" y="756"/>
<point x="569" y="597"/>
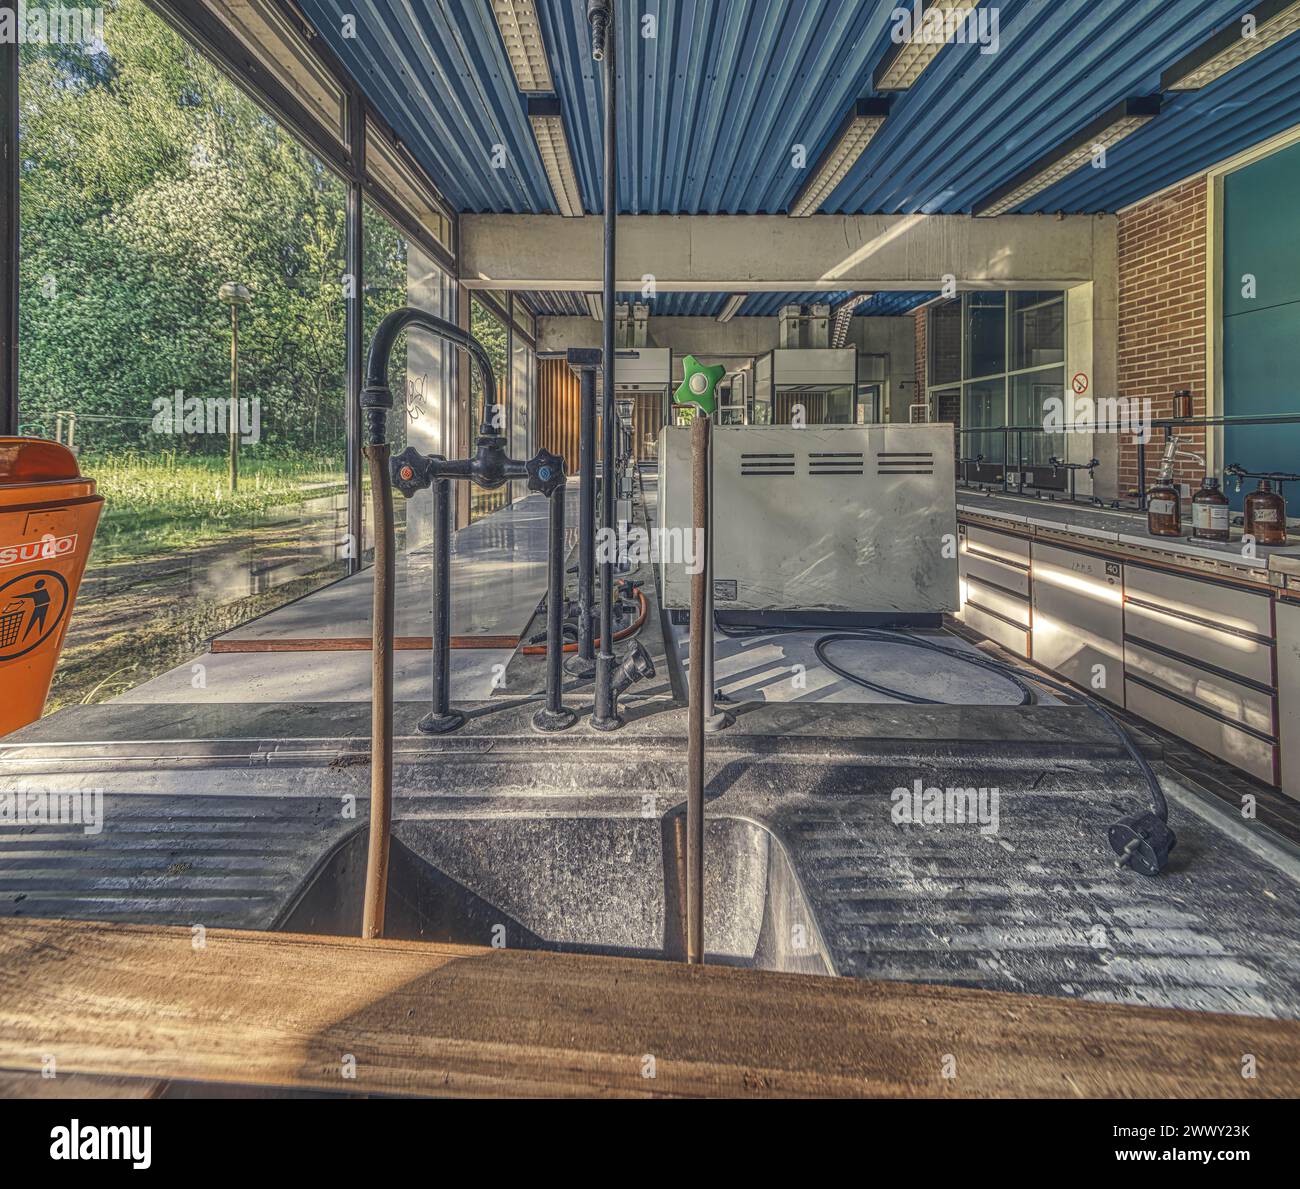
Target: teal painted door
<point x="1261" y="330"/>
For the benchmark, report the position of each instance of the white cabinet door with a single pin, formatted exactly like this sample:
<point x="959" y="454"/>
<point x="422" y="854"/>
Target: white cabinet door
<point x="1288" y="693"/>
<point x="1079" y="619"/>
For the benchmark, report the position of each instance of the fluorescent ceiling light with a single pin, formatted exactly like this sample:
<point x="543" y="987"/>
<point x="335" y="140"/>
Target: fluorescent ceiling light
<point x="932" y="25"/>
<point x="1074" y="154"/>
<point x="1273" y="21"/>
<point x="732" y="308"/>
<point x="595" y="306"/>
<point x="522" y="35"/>
<point x="548" y="131"/>
<point x="848" y="144"/>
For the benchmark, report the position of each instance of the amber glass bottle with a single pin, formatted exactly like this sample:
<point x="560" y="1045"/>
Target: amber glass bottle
<point x="1164" y="510"/>
<point x="1266" y="515"/>
<point x="1210" y="512"/>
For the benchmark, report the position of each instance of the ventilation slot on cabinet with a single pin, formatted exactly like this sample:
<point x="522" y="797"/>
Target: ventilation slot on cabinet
<point x="766" y="464"/>
<point x="842" y="463"/>
<point x="904" y="463"/>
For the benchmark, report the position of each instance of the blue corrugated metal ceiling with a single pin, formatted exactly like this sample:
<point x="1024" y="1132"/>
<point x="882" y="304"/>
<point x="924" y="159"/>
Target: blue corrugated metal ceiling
<point x="714" y="103"/>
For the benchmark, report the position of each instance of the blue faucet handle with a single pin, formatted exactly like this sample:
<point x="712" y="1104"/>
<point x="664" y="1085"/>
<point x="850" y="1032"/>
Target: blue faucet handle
<point x="546" y="472"/>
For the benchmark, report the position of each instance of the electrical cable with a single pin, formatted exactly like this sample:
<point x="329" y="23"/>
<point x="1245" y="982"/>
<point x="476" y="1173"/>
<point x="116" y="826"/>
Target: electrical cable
<point x="1013" y="673"/>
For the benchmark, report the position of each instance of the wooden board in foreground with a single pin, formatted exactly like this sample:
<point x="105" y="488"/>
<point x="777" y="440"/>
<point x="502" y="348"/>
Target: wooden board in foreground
<point x="290" y="1011"/>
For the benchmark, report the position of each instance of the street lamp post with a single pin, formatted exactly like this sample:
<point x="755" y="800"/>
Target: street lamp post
<point x="235" y="295"/>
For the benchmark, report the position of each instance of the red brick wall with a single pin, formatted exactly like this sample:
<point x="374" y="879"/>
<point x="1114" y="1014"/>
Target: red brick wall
<point x="1162" y="318"/>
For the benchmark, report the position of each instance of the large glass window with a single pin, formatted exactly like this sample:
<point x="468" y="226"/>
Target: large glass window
<point x="985" y="334"/>
<point x="490" y="330"/>
<point x="1030" y="393"/>
<point x="523" y="387"/>
<point x="944" y="353"/>
<point x="1037" y="329"/>
<point x="1008" y="352"/>
<point x="985" y="404"/>
<point x="420" y="369"/>
<point x="163" y="214"/>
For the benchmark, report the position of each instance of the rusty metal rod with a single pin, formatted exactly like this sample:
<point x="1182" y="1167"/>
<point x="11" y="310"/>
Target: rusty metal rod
<point x="700" y="630"/>
<point x="381" y="708"/>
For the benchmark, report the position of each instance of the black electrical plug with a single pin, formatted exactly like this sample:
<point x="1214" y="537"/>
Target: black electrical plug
<point x="1142" y="841"/>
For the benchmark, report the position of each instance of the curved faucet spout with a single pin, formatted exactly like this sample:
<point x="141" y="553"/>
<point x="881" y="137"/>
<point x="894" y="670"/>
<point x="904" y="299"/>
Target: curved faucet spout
<point x="377" y="398"/>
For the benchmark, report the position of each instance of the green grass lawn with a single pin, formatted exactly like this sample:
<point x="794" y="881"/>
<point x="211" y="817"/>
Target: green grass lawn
<point x="162" y="502"/>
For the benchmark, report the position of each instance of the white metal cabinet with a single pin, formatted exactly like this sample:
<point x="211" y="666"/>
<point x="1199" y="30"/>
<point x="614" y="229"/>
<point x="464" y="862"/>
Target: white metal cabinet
<point x="1199" y="663"/>
<point x="994" y="573"/>
<point x="1078" y="629"/>
<point x="1288" y="693"/>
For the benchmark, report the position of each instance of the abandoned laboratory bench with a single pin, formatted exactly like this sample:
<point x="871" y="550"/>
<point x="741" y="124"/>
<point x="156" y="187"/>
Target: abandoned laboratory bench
<point x="287" y="1011"/>
<point x="1200" y="638"/>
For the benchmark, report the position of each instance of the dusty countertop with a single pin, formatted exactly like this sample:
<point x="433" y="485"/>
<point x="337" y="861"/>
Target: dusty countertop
<point x="563" y="838"/>
<point x="1120" y="528"/>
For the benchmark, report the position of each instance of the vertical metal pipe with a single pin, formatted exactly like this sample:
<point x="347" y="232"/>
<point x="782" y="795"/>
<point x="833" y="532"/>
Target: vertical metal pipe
<point x="714" y="719"/>
<point x="1142" y="474"/>
<point x="553" y="716"/>
<point x="695" y="708"/>
<point x="583" y="664"/>
<point x="441" y="718"/>
<point x="555" y="606"/>
<point x="232" y="425"/>
<point x="381" y="713"/>
<point x="441" y="643"/>
<point x="355" y="332"/>
<point x="604" y="716"/>
<point x="9" y="237"/>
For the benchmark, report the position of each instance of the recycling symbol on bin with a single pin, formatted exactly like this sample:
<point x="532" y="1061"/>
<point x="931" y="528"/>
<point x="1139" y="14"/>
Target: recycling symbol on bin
<point x="31" y="608"/>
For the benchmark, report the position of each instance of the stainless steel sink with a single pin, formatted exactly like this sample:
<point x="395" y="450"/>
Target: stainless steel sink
<point x="604" y="885"/>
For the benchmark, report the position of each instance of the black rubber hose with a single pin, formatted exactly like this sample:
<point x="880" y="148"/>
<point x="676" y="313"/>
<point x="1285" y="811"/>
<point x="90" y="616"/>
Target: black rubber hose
<point x="1026" y="694"/>
<point x="1158" y="803"/>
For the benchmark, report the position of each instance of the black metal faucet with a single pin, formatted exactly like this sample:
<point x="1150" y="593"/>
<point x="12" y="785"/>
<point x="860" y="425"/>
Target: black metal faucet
<point x="491" y="467"/>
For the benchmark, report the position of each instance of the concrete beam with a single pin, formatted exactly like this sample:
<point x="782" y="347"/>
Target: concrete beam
<point x="773" y="253"/>
<point x="694" y="336"/>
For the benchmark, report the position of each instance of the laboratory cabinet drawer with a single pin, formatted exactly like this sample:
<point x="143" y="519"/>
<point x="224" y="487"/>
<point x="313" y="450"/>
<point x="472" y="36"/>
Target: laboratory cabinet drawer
<point x="1078" y="618"/>
<point x="1014" y="639"/>
<point x="1235" y="745"/>
<point x="1199" y="640"/>
<point x="992" y="572"/>
<point x="1234" y="608"/>
<point x="1217" y="694"/>
<point x="995" y="599"/>
<point x="1001" y="546"/>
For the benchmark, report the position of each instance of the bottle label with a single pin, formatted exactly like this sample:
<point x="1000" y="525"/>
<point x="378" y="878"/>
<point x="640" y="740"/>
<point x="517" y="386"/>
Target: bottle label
<point x="1210" y="516"/>
<point x="1161" y="507"/>
<point x="1264" y="516"/>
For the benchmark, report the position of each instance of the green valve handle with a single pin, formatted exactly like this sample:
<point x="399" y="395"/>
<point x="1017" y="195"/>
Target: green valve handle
<point x="700" y="385"/>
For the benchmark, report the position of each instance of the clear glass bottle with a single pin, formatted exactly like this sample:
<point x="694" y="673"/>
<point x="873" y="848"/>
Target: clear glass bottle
<point x="1210" y="512"/>
<point x="1266" y="515"/>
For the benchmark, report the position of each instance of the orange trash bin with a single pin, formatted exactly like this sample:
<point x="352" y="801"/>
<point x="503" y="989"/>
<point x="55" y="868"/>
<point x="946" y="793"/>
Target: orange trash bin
<point x="48" y="517"/>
